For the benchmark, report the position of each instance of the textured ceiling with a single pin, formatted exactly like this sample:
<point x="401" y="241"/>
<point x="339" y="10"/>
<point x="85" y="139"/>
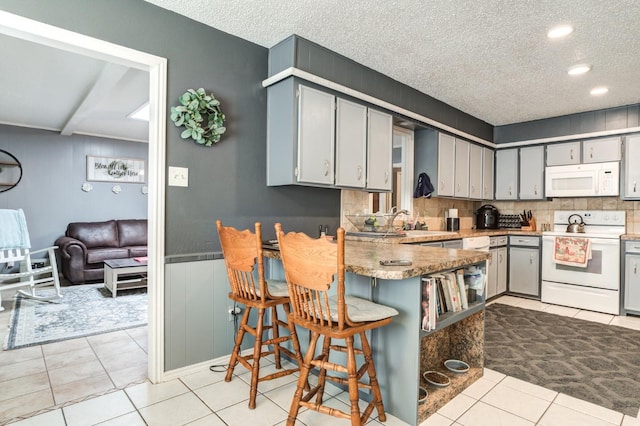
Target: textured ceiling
<point x="489" y="58"/>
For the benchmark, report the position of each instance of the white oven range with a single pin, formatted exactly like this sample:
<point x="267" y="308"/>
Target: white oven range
<point x="595" y="286"/>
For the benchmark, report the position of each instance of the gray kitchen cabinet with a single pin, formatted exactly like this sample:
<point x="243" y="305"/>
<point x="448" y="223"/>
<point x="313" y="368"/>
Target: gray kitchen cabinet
<point x="351" y="143"/>
<point x="559" y="154"/>
<point x="461" y="178"/>
<point x="524" y="265"/>
<point x="446" y="165"/>
<point x="487" y="173"/>
<point x="379" y="151"/>
<point x="631" y="168"/>
<point x="452" y="244"/>
<point x="602" y="150"/>
<point x="532" y="173"/>
<point x="501" y="285"/>
<point x="497" y="276"/>
<point x="475" y="172"/>
<point x="507" y="174"/>
<point x="632" y="277"/>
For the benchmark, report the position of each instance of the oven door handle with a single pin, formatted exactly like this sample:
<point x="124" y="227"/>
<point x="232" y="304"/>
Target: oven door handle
<point x="599" y="241"/>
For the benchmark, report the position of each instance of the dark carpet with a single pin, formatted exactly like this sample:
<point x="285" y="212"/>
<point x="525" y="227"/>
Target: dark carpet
<point x="595" y="362"/>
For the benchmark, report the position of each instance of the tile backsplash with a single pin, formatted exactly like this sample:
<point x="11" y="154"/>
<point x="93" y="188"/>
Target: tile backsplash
<point x="432" y="210"/>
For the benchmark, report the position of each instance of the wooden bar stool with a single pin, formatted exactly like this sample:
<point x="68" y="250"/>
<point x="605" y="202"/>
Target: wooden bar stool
<point x="310" y="266"/>
<point x="242" y="251"/>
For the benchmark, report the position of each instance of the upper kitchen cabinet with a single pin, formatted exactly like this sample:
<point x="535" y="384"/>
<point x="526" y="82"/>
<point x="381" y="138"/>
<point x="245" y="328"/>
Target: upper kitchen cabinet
<point x="532" y="173"/>
<point x="631" y="168"/>
<point x="475" y="172"/>
<point x="487" y="173"/>
<point x="351" y="144"/>
<point x="379" y="151"/>
<point x="602" y="150"/>
<point x="461" y="174"/>
<point x="559" y="154"/>
<point x="445" y="184"/>
<point x="507" y="174"/>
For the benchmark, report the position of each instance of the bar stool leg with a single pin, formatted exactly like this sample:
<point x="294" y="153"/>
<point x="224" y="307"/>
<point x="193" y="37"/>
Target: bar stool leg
<point x="352" y="378"/>
<point x="373" y="379"/>
<point x="302" y="380"/>
<point x="275" y="325"/>
<point x="235" y="354"/>
<point x="257" y="349"/>
<point x="322" y="377"/>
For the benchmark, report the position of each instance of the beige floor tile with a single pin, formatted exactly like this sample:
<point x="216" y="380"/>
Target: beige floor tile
<point x="72" y="345"/>
<point x="202" y="379"/>
<point x="516" y="402"/>
<point x="148" y="393"/>
<point x="176" y="411"/>
<point x="22" y="369"/>
<point x="456" y="407"/>
<point x="510" y="300"/>
<point x="100" y="339"/>
<point x="529" y="388"/>
<point x="481" y="414"/>
<point x="129" y="419"/>
<point x="589" y="408"/>
<point x="115" y="361"/>
<point x="437" y="420"/>
<point x="493" y="375"/>
<point x="138" y="332"/>
<point x="479" y="388"/>
<point x="271" y="384"/>
<point x="630" y="421"/>
<point x="23" y="385"/>
<point x="50" y="418"/>
<point x="74" y="390"/>
<point x="564" y="311"/>
<point x="210" y="420"/>
<point x="282" y="395"/>
<point x="627" y="322"/>
<point x="594" y="316"/>
<point x="560" y="415"/>
<point x="534" y="305"/>
<point x="18" y="355"/>
<point x="66" y="359"/>
<point x="115" y="347"/>
<point x="25" y="404"/>
<point x="74" y="373"/>
<point x="223" y="394"/>
<point x="97" y="410"/>
<point x="308" y="417"/>
<point x="131" y="374"/>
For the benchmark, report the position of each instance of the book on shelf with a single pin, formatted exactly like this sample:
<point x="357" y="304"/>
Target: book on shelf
<point x="462" y="288"/>
<point x="428" y="304"/>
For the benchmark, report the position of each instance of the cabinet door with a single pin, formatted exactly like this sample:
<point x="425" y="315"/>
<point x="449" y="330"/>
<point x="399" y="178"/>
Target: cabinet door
<point x="532" y="173"/>
<point x="475" y="172"/>
<point x="351" y="143"/>
<point x="631" y="165"/>
<point x="507" y="174"/>
<point x="487" y="173"/>
<point x="523" y="270"/>
<point x="492" y="274"/>
<point x="461" y="178"/>
<point x="501" y="286"/>
<point x="632" y="282"/>
<point x="602" y="150"/>
<point x="316" y="136"/>
<point x="559" y="154"/>
<point x="446" y="164"/>
<point x="380" y="146"/>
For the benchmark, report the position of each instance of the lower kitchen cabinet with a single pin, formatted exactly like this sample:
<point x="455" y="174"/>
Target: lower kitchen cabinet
<point x="632" y="277"/>
<point x="524" y="265"/>
<point x="497" y="276"/>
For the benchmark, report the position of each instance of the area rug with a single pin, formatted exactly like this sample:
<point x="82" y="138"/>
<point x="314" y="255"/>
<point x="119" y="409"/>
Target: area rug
<point x="84" y="310"/>
<point x="594" y="362"/>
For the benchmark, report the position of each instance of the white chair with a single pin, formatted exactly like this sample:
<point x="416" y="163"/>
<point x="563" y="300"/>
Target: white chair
<point x="16" y="269"/>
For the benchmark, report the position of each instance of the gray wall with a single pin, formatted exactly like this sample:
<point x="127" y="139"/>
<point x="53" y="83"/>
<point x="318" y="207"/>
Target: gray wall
<point x="227" y="181"/>
<point x="54" y="169"/>
<point x="585" y="122"/>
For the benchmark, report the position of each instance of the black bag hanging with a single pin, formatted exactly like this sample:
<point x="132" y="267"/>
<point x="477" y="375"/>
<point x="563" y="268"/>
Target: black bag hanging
<point x="424" y="188"/>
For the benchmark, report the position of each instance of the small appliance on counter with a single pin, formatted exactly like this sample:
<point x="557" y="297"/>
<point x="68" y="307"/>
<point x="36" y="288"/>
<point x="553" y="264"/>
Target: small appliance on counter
<point x="453" y="221"/>
<point x="487" y="217"/>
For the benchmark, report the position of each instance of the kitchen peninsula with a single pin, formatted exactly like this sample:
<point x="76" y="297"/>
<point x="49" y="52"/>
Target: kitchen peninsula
<point x="402" y="351"/>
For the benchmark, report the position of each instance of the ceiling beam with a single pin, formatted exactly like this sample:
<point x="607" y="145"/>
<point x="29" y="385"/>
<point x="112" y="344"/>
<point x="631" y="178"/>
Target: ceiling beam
<point x="104" y="85"/>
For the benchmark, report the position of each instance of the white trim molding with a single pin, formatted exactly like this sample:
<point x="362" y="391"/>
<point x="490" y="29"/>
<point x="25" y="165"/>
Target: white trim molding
<point x="568" y="138"/>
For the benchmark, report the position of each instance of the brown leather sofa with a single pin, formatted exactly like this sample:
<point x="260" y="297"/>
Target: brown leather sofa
<point x="86" y="245"/>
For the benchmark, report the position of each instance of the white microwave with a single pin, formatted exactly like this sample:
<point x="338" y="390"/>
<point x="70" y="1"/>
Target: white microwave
<point x="583" y="180"/>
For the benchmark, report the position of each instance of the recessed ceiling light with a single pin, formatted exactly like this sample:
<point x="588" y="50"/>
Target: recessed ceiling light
<point x="579" y="69"/>
<point x="599" y="90"/>
<point x="141" y="113"/>
<point x="560" y="31"/>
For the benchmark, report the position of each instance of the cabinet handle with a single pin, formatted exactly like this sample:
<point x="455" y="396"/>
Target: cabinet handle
<point x="458" y="187"/>
<point x="441" y="184"/>
<point x="591" y="152"/>
<point x="635" y="268"/>
<point x="510" y="192"/>
<point x="359" y="172"/>
<point x="634" y="186"/>
<point x="326" y="167"/>
<point x="386" y="177"/>
<point x="535" y="189"/>
<point x="571" y="154"/>
<point x="531" y="259"/>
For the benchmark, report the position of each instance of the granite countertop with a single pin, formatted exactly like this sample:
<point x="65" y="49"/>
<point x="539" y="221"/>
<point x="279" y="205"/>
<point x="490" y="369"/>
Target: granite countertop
<point x="363" y="258"/>
<point x="415" y="237"/>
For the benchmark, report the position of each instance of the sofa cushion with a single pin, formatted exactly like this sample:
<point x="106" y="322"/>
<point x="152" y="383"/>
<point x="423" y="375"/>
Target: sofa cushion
<point x="95" y="234"/>
<point x="101" y="254"/>
<point x="132" y="232"/>
<point x="137" y="251"/>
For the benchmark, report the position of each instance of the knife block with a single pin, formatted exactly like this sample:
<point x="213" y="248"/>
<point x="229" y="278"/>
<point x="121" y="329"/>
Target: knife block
<point x="531" y="227"/>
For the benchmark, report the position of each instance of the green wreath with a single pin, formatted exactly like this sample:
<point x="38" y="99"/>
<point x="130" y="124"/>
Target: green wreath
<point x="201" y="116"/>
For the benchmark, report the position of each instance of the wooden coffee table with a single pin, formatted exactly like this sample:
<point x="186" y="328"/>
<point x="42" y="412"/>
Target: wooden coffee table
<point x="116" y="269"/>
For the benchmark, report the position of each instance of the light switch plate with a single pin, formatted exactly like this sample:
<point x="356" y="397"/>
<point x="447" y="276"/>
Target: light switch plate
<point x="178" y="176"/>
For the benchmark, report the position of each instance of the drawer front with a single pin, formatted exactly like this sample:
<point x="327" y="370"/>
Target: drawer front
<point x="519" y="240"/>
<point x="632" y="246"/>
<point x="498" y="241"/>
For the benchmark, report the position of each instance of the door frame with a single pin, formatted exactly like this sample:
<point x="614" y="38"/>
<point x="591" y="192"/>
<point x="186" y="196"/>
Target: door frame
<point x="48" y="35"/>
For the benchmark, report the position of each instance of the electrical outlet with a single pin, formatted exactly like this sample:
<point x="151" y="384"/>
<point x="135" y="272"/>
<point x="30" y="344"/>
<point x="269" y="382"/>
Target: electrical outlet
<point x="233" y="312"/>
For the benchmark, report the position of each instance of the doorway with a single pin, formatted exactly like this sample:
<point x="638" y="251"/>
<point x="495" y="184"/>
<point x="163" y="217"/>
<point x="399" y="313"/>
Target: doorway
<point x="47" y="35"/>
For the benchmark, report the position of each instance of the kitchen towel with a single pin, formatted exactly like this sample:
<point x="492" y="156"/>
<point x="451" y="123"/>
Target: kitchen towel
<point x="424" y="187"/>
<point x="572" y="251"/>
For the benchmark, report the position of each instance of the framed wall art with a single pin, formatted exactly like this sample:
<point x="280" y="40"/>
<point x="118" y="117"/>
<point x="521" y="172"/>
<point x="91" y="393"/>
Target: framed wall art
<point x="112" y="169"/>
